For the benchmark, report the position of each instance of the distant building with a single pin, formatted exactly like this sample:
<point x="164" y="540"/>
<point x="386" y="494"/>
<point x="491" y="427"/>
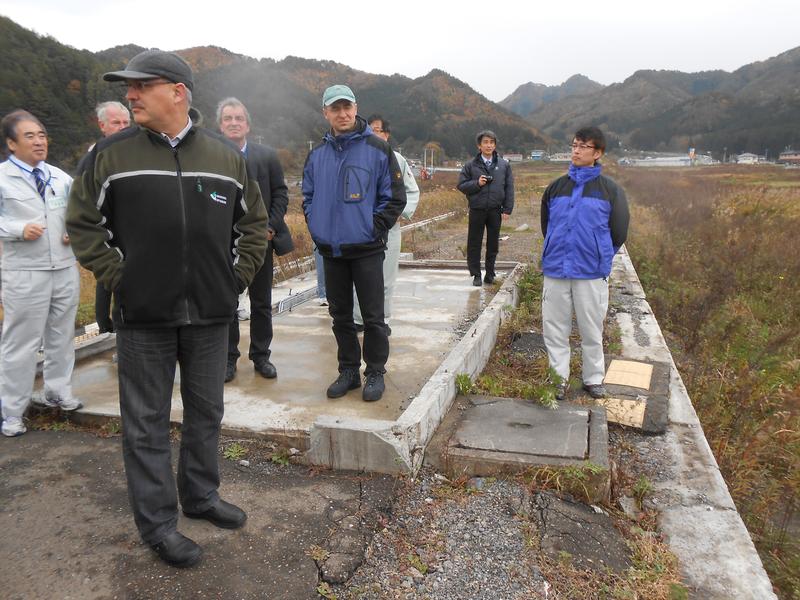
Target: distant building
<point x="561" y="157"/>
<point x="660" y="161"/>
<point x="669" y="160"/>
<point x="789" y="157"/>
<point x="538" y="155"/>
<point x="513" y="157"/>
<point x="747" y="158"/>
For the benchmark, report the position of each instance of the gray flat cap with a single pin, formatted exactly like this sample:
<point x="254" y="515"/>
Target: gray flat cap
<point x="151" y="64"/>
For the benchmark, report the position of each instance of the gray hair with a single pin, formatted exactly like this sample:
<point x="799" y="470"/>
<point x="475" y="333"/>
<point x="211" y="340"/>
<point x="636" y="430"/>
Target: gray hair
<point x="231" y="101"/>
<point x="102" y="109"/>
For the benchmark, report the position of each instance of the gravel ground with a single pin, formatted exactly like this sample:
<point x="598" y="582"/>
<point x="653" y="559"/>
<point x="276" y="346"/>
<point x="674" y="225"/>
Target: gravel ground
<point x="450" y="542"/>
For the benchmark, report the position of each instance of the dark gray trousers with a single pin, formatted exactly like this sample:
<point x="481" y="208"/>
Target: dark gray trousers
<point x="147" y="359"/>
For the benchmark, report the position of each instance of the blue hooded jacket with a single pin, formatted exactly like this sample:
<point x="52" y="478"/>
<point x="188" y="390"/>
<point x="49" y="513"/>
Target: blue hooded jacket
<point x="584" y="223"/>
<point x="353" y="193"/>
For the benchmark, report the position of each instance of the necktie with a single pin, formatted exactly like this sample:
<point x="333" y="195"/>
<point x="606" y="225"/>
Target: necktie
<point x="41" y="186"/>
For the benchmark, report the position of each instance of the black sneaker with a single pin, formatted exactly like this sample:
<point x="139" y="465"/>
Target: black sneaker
<point x="265" y="368"/>
<point x="373" y="388"/>
<point x="476" y="281"/>
<point x="349" y="379"/>
<point x="595" y="390"/>
<point x="488" y="278"/>
<point x="230" y="370"/>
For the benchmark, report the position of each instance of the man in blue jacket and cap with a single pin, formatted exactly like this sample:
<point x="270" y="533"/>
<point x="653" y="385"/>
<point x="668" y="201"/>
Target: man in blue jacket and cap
<point x="352" y="196"/>
<point x="584" y="223"/>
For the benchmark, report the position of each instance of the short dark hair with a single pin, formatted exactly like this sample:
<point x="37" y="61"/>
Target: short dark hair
<point x="485" y="133"/>
<point x="14" y="118"/>
<point x="593" y="135"/>
<point x="384" y="123"/>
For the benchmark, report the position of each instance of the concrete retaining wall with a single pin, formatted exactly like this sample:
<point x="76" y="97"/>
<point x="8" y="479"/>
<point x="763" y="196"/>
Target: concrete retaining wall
<point x="717" y="556"/>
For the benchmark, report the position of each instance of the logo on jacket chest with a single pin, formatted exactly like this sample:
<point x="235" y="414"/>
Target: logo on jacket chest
<point x="218" y="198"/>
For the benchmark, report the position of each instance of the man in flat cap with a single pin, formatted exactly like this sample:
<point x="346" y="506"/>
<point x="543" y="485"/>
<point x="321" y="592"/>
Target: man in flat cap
<point x="164" y="215"/>
<point x="353" y="194"/>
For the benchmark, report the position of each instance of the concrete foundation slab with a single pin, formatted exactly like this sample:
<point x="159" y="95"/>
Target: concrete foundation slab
<point x="441" y="326"/>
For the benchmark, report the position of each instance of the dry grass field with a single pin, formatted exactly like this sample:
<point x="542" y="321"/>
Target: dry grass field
<point x="718" y="254"/>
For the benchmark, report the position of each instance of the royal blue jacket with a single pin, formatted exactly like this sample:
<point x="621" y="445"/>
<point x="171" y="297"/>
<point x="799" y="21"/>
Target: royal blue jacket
<point x="584" y="223"/>
<point x="352" y="193"/>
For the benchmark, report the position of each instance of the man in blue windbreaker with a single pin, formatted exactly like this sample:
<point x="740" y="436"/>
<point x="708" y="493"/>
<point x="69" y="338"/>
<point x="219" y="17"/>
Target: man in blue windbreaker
<point x="352" y="196"/>
<point x="584" y="223"/>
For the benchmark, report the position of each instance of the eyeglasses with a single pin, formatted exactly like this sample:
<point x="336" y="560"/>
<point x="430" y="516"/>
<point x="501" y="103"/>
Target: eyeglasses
<point x="143" y="85"/>
<point x="582" y="147"/>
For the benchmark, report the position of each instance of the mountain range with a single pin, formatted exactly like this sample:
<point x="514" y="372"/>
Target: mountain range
<point x="61" y="85"/>
<point x="755" y="108"/>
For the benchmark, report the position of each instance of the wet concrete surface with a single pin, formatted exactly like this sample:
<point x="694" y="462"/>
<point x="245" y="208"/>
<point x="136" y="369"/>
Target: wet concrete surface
<point x="430" y="306"/>
<point x="68" y="531"/>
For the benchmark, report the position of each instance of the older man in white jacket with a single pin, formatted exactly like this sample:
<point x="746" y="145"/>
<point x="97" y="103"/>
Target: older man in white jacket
<point x="40" y="275"/>
<point x="391" y="262"/>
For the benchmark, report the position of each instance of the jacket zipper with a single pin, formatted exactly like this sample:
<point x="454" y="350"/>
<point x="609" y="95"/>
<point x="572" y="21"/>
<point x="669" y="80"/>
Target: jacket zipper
<point x="184" y="248"/>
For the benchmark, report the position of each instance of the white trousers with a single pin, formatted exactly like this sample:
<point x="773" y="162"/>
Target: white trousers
<point x="37" y="305"/>
<point x="589" y="299"/>
<point x="391" y="266"/>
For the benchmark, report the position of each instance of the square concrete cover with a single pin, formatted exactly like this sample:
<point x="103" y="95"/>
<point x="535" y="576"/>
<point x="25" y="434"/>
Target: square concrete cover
<point x="524" y="428"/>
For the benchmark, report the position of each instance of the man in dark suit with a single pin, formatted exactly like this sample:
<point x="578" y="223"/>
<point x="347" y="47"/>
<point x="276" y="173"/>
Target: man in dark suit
<point x="264" y="167"/>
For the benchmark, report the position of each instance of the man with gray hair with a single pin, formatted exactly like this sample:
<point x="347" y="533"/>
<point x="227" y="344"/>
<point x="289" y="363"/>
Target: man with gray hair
<point x="165" y="216"/>
<point x="112" y="116"/>
<point x="263" y="166"/>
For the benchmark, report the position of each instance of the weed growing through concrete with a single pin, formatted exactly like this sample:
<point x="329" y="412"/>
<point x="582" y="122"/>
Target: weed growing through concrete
<point x="235" y="451"/>
<point x="641" y="489"/>
<point x="463" y="384"/>
<point x="280" y="457"/>
<point x="317" y="553"/>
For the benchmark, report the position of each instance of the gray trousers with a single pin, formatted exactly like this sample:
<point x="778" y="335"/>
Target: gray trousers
<point x="146" y="369"/>
<point x="589" y="299"/>
<point x="391" y="267"/>
<point x="38" y="305"/>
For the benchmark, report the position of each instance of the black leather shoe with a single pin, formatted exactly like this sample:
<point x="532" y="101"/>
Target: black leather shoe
<point x="374" y="387"/>
<point x="222" y="514"/>
<point x="265" y="368"/>
<point x="230" y="371"/>
<point x="178" y="550"/>
<point x="476" y="281"/>
<point x="488" y="278"/>
<point x="348" y="379"/>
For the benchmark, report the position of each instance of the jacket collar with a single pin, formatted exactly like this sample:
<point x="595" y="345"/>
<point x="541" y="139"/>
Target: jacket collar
<point x="361" y="130"/>
<point x="581" y="175"/>
<point x="479" y="159"/>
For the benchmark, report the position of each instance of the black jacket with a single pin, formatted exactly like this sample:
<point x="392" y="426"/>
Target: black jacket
<point x="175" y="233"/>
<point x="497" y="194"/>
<point x="264" y="166"/>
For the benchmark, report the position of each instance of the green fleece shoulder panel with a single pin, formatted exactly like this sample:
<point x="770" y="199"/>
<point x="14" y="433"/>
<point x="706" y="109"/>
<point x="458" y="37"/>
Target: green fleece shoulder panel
<point x="88" y="234"/>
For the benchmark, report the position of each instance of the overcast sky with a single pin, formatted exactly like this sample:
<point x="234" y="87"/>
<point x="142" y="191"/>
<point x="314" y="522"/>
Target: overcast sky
<point x="493" y="46"/>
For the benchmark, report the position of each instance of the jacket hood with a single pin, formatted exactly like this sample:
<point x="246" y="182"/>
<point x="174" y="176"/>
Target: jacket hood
<point x="581" y="175"/>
